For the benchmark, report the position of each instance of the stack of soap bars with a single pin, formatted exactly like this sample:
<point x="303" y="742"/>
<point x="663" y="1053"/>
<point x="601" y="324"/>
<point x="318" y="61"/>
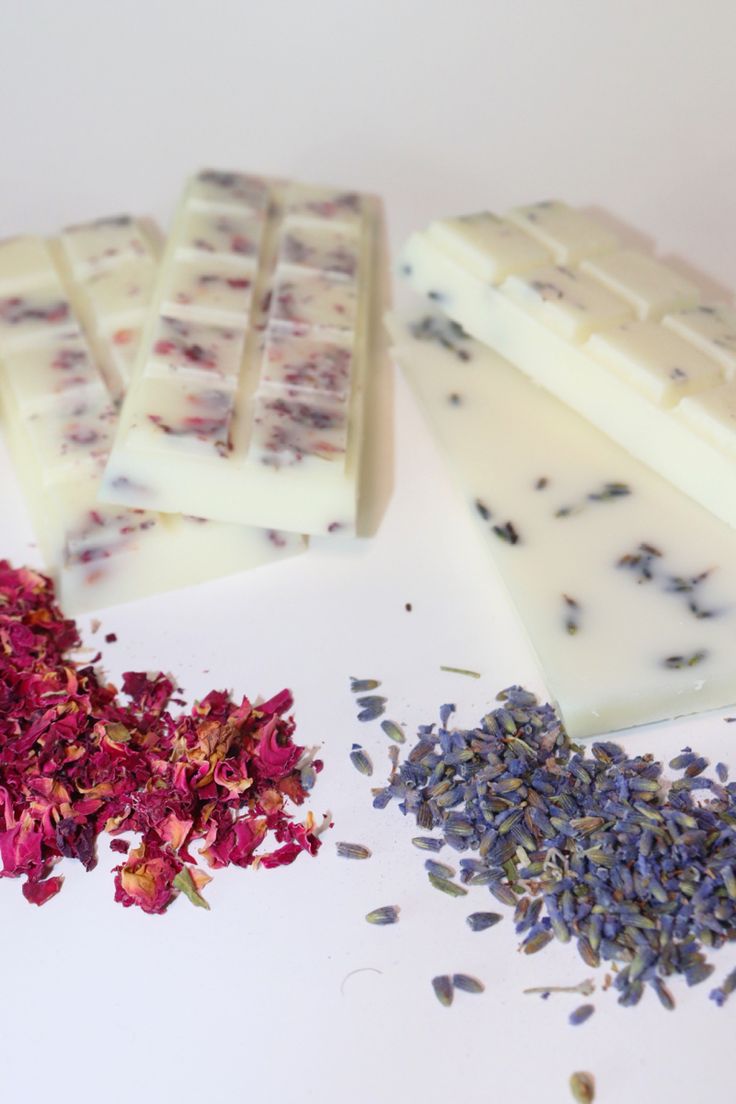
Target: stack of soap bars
<point x="172" y="421"/>
<point x="625" y="584"/>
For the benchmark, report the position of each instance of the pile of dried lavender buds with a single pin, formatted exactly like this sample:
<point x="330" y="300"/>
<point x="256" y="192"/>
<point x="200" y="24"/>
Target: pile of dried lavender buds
<point x="584" y="843"/>
<point x="77" y="759"/>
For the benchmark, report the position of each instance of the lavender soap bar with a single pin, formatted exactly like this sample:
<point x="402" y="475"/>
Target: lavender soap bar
<point x="626" y="588"/>
<point x="247" y="397"/>
<point x="614" y="333"/>
<point x="70" y="311"/>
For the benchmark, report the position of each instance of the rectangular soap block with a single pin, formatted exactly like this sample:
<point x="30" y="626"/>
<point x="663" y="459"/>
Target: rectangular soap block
<point x="247" y="397"/>
<point x="625" y="587"/>
<point x="62" y="306"/>
<point x="617" y="335"/>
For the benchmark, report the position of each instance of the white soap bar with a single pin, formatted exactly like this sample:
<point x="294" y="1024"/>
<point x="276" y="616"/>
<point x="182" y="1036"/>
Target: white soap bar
<point x="590" y="330"/>
<point x="60" y="415"/>
<point x="248" y="393"/>
<point x="626" y="588"/>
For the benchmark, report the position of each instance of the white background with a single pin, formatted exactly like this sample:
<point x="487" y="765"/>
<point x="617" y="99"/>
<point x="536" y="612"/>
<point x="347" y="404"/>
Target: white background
<point x="441" y="107"/>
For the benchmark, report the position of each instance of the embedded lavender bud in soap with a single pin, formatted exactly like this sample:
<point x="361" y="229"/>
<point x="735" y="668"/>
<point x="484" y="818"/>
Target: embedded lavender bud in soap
<point x="626" y="590"/>
<point x="614" y="333"/>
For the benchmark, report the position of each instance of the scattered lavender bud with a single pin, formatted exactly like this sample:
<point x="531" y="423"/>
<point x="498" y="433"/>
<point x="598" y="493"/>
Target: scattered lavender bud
<point x="581" y="1014"/>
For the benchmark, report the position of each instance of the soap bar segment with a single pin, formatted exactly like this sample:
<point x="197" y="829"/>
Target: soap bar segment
<point x="103" y="244"/>
<point x="712" y="329"/>
<point x="110" y="265"/>
<point x="264" y="321"/>
<point x="626" y="589"/>
<point x="712" y="414"/>
<point x="649" y="286"/>
<point x="489" y="247"/>
<point x="40" y="377"/>
<point x="61" y="414"/>
<point x="24" y="264"/>
<point x="656" y="361"/>
<point x="567" y="301"/>
<point x="42" y="311"/>
<point x="295" y="362"/>
<point x="568" y="233"/>
<point x="577" y="330"/>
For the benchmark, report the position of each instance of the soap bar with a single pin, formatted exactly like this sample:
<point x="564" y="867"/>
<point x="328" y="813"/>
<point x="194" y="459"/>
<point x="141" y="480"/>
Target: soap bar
<point x="625" y="587"/>
<point x="614" y="333"/>
<point x="247" y="398"/>
<point x="65" y="305"/>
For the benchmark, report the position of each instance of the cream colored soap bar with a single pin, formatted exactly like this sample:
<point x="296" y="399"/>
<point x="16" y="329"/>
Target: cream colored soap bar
<point x="626" y="588"/>
<point x="60" y="416"/>
<point x="248" y="392"/>
<point x="614" y="333"/>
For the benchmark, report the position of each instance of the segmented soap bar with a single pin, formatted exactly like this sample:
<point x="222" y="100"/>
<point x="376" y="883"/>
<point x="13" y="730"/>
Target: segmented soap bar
<point x="616" y="334"/>
<point x="60" y="417"/>
<point x="112" y="263"/>
<point x="246" y="403"/>
<point x="626" y="588"/>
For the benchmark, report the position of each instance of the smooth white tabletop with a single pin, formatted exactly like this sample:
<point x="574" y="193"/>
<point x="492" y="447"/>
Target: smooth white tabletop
<point x="441" y="108"/>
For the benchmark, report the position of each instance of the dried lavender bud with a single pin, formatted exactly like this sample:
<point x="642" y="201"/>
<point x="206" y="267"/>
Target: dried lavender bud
<point x="467" y="983"/>
<point x="362" y="686"/>
<point x="353" y="851"/>
<point x="446" y="886"/>
<point x="360" y="760"/>
<point x="386" y="914"/>
<point x="393" y="731"/>
<point x="427" y="843"/>
<point x="372" y="707"/>
<point x="581" y="1014"/>
<point x="480" y="921"/>
<point x="443" y="989"/>
<point x="587" y="844"/>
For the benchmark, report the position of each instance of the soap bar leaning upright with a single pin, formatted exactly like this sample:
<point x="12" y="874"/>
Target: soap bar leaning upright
<point x="620" y="337"/>
<point x="246" y="403"/>
<point x="60" y="382"/>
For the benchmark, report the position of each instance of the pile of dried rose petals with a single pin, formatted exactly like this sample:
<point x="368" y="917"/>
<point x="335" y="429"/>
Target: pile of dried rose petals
<point x="77" y="759"/>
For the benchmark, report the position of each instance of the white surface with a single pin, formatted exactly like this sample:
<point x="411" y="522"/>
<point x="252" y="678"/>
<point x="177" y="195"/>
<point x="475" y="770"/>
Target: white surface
<point x="441" y="107"/>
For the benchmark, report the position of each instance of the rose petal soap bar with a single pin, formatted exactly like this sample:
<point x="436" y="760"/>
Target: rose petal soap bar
<point x="60" y="417"/>
<point x="626" y="588"/>
<point x="247" y="398"/>
<point x="614" y="333"/>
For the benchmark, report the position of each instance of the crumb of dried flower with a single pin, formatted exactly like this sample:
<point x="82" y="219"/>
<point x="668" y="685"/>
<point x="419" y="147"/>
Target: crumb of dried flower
<point x="582" y="1087"/>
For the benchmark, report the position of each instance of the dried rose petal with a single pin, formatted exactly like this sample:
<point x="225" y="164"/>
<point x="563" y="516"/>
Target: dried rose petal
<point x="38" y="893"/>
<point x="77" y="759"/>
